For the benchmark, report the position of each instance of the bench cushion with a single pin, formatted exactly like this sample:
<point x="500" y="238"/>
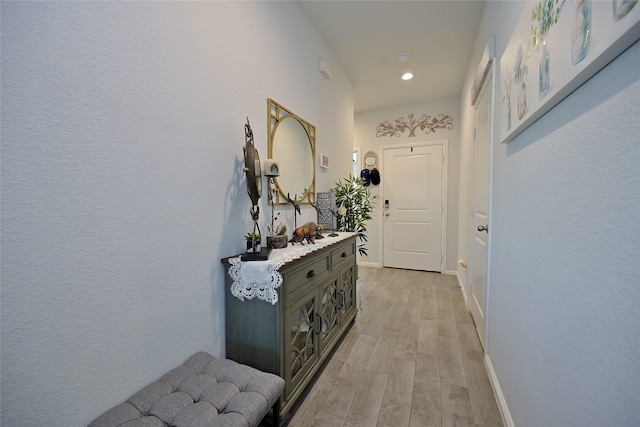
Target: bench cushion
<point x="204" y="391"/>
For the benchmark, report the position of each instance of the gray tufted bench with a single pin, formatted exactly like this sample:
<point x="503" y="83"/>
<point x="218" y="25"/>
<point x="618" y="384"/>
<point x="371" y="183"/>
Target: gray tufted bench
<point x="204" y="391"/>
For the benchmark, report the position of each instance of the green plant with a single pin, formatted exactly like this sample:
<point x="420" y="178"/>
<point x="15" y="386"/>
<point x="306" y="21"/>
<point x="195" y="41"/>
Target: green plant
<point x="355" y="205"/>
<point x="254" y="240"/>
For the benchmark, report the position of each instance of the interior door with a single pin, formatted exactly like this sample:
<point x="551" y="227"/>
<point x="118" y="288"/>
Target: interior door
<point x="478" y="274"/>
<point x="413" y="207"/>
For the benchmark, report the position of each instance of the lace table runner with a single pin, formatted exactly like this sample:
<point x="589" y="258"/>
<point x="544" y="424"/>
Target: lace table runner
<point x="260" y="279"/>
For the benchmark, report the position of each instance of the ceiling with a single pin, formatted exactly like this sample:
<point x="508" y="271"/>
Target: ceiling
<point x="367" y="36"/>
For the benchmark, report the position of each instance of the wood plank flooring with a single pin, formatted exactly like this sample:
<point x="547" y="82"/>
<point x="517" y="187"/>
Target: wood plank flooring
<point x="412" y="358"/>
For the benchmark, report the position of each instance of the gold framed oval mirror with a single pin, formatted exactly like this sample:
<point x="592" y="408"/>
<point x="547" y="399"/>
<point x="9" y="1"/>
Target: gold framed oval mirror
<point x="292" y="142"/>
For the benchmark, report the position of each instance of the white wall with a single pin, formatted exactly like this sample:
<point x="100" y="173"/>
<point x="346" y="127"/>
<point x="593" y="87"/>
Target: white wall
<point x="122" y="134"/>
<point x="563" y="315"/>
<point x="365" y="137"/>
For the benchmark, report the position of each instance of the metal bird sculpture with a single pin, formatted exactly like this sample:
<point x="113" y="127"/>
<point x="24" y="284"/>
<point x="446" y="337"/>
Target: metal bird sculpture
<point x="296" y="208"/>
<point x="333" y="232"/>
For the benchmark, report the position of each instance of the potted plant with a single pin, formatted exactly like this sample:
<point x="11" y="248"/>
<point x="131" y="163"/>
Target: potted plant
<point x="254" y="242"/>
<point x="355" y="205"/>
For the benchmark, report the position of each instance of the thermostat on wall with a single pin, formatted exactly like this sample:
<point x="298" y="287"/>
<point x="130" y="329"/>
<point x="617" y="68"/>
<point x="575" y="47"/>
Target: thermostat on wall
<point x="324" y="161"/>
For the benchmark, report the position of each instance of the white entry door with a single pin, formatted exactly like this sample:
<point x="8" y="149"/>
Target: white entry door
<point x="478" y="274"/>
<point x="413" y="207"/>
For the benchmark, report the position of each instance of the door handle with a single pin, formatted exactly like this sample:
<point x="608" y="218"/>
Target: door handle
<point x="483" y="228"/>
<point x="339" y="303"/>
<point x="319" y="329"/>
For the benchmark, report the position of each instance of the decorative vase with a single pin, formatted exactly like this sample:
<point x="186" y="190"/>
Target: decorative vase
<point x="544" y="69"/>
<point x="509" y="115"/>
<point x="581" y="31"/>
<point x="622" y="7"/>
<point x="254" y="249"/>
<point x="522" y="100"/>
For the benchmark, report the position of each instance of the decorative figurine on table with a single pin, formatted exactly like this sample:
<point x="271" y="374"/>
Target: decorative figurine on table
<point x="309" y="232"/>
<point x="253" y="174"/>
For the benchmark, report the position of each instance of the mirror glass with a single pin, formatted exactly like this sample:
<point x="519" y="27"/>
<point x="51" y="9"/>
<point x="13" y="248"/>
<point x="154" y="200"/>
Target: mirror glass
<point x="292" y="144"/>
<point x="292" y="149"/>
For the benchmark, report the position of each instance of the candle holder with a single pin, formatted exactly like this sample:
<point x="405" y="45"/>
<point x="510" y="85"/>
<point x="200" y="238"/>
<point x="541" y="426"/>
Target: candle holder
<point x="274" y="240"/>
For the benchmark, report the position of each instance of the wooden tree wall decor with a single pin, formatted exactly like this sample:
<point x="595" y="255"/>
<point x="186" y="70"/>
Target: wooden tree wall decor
<point x="427" y="124"/>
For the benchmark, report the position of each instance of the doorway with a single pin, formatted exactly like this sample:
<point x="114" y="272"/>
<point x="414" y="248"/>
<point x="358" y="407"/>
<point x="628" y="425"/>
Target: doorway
<point x="414" y="204"/>
<point x="480" y="209"/>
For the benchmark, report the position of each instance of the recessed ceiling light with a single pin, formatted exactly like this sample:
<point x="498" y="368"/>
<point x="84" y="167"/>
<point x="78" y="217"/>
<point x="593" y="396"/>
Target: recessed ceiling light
<point x="407" y="76"/>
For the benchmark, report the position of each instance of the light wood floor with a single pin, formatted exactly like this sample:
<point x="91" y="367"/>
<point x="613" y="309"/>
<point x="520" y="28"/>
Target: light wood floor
<point x="412" y="358"/>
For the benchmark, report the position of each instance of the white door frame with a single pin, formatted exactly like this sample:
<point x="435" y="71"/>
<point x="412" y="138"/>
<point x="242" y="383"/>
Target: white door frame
<point x="445" y="168"/>
<point x="358" y="151"/>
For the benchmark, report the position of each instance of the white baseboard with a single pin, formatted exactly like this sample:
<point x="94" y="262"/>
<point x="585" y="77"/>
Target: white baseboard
<point x="497" y="390"/>
<point x="378" y="265"/>
<point x="369" y="264"/>
<point x="463" y="290"/>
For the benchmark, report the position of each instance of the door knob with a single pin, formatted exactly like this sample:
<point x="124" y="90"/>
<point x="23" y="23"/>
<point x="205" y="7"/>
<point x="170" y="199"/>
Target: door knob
<point x="483" y="228"/>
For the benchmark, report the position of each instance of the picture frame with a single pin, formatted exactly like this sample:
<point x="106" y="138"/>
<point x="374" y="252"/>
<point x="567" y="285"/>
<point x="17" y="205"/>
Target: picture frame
<point x="556" y="46"/>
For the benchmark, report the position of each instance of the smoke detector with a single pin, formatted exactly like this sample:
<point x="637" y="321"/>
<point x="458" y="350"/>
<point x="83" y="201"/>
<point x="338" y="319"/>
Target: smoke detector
<point x="402" y="58"/>
<point x="325" y="70"/>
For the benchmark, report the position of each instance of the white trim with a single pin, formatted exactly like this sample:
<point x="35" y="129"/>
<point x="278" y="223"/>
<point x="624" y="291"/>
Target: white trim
<point x="483" y="68"/>
<point x="445" y="202"/>
<point x="450" y="272"/>
<point x="497" y="391"/>
<point x="445" y="173"/>
<point x="464" y="291"/>
<point x="369" y="264"/>
<point x="494" y="92"/>
<point x="358" y="152"/>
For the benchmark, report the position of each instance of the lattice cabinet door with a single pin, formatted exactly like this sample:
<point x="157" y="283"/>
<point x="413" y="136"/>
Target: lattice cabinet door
<point x="329" y="310"/>
<point x="301" y="341"/>
<point x="347" y="290"/>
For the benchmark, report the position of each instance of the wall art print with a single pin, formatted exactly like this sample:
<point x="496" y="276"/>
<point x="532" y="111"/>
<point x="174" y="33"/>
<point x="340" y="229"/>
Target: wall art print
<point x="425" y="123"/>
<point x="556" y="46"/>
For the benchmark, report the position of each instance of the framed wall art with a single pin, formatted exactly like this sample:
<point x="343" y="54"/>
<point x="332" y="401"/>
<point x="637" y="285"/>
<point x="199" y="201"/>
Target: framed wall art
<point x="556" y="46"/>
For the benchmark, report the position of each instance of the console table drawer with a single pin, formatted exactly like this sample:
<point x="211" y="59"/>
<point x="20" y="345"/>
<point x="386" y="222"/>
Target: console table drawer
<point x="301" y="276"/>
<point x="342" y="254"/>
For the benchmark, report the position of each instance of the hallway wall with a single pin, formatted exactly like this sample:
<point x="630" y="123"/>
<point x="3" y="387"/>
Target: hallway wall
<point x="122" y="184"/>
<point x="563" y="317"/>
<point x="365" y="125"/>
